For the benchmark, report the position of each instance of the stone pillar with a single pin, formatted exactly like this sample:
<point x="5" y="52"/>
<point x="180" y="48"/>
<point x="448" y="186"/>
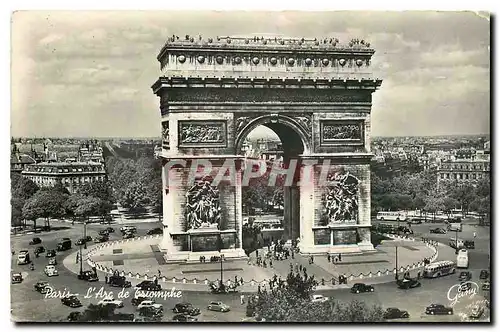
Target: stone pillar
<point x="238" y="205"/>
<point x="287" y="213"/>
<point x="307" y="214"/>
<point x="364" y="212"/>
<point x="295" y="212"/>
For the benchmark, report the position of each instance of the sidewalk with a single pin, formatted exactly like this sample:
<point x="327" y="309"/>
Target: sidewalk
<point x="136" y="259"/>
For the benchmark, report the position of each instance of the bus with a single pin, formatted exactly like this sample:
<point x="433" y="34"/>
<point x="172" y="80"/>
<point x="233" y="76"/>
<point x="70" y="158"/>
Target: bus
<point x="463" y="259"/>
<point x="392" y="215"/>
<point x="456" y="243"/>
<point x="439" y="269"/>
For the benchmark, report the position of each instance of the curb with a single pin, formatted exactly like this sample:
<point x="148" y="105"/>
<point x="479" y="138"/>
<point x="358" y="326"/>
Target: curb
<point x="324" y="284"/>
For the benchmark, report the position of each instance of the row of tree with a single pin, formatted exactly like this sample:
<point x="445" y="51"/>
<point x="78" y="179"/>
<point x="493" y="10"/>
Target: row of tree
<point x="421" y="191"/>
<point x="29" y="202"/>
<point x="137" y="184"/>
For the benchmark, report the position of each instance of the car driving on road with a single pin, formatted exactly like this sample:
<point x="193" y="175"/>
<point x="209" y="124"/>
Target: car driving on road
<point x="438" y="230"/>
<point x="218" y="306"/>
<point x="155" y="231"/>
<point x="186" y="308"/>
<point x="438" y="309"/>
<point x="150" y="304"/>
<point x="17" y="278"/>
<point x="484" y="274"/>
<point x="465" y="276"/>
<point x="50" y="271"/>
<point x="42" y="287"/>
<point x="184" y="318"/>
<point x="111" y="301"/>
<point x="476" y="312"/>
<point x="148" y="285"/>
<point x="395" y="313"/>
<point x="50" y="253"/>
<point x="88" y="276"/>
<point x="408" y="283"/>
<point x="71" y="301"/>
<point x="318" y="298"/>
<point x="35" y="240"/>
<point x="361" y="288"/>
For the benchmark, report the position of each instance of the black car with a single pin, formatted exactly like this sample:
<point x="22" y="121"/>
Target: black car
<point x="137" y="300"/>
<point x="35" y="240"/>
<point x="464" y="286"/>
<point x="100" y="239"/>
<point x="484" y="274"/>
<point x="438" y="309"/>
<point x="71" y="301"/>
<point x="128" y="235"/>
<point x="39" y="250"/>
<point x="186" y="308"/>
<point x="88" y="276"/>
<point x="119" y="281"/>
<point x="148" y="285"/>
<point x="103" y="232"/>
<point x="88" y="238"/>
<point x="408" y="283"/>
<point x="361" y="288"/>
<point x="405" y="230"/>
<point x="155" y="231"/>
<point x="41" y="286"/>
<point x="74" y="316"/>
<point x="465" y="276"/>
<point x="110" y="229"/>
<point x="469" y="245"/>
<point x="393" y="313"/>
<point x="122" y="317"/>
<point x="438" y="230"/>
<point x="80" y="242"/>
<point x="65" y="244"/>
<point x="184" y="318"/>
<point x="50" y="253"/>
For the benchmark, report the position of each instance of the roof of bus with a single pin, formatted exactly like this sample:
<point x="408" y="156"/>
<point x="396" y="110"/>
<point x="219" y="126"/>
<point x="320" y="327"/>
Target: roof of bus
<point x="440" y="263"/>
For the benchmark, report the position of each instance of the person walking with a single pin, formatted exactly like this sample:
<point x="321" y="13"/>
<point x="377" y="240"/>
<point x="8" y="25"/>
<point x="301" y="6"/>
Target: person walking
<point x="474" y="234"/>
<point x="242" y="299"/>
<point x="106" y="279"/>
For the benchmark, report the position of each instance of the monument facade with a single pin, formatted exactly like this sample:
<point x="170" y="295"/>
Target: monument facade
<point x="315" y="94"/>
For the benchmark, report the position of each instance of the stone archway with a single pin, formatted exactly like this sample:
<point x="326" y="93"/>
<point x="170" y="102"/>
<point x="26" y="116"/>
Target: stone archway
<point x="315" y="94"/>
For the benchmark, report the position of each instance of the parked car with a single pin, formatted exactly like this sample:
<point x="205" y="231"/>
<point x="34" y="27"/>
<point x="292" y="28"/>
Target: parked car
<point x="110" y="229"/>
<point x="128" y="235"/>
<point x="150" y="303"/>
<point x="52" y="261"/>
<point x="88" y="238"/>
<point x="218" y="306"/>
<point x="50" y="271"/>
<point x="103" y="232"/>
<point x="39" y="250"/>
<point x="80" y="242"/>
<point x="484" y="274"/>
<point x="151" y="314"/>
<point x="42" y="287"/>
<point x="119" y="281"/>
<point x="65" y="244"/>
<point x="476" y="312"/>
<point x="465" y="276"/>
<point x="408" y="283"/>
<point x="361" y="288"/>
<point x="438" y="309"/>
<point x="100" y="239"/>
<point x="35" y="240"/>
<point x="71" y="301"/>
<point x="23" y="257"/>
<point x="128" y="228"/>
<point x="394" y="313"/>
<point x="155" y="231"/>
<point x="438" y="230"/>
<point x="148" y="285"/>
<point x="184" y="318"/>
<point x="50" y="253"/>
<point x="74" y="316"/>
<point x="17" y="278"/>
<point x="318" y="298"/>
<point x="186" y="308"/>
<point x="486" y="285"/>
<point x="88" y="276"/>
<point x="111" y="301"/>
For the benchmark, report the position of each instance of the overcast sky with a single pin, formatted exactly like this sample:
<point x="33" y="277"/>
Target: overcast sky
<point x="89" y="74"/>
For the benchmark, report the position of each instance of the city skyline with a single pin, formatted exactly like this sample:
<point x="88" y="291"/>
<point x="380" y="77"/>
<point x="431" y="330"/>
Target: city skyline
<point x="75" y="73"/>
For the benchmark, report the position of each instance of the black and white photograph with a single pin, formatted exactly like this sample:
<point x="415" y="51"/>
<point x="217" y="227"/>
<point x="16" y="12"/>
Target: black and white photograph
<point x="250" y="167"/>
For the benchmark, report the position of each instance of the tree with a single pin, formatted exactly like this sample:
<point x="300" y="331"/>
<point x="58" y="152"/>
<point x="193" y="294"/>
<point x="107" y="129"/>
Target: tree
<point x="46" y="203"/>
<point x="102" y="191"/>
<point x="87" y="206"/>
<point x="290" y="302"/>
<point x="434" y="203"/>
<point x="250" y="234"/>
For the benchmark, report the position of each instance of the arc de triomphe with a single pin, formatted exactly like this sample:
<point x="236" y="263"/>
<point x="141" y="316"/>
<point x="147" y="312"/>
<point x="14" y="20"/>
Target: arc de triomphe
<point x="315" y="94"/>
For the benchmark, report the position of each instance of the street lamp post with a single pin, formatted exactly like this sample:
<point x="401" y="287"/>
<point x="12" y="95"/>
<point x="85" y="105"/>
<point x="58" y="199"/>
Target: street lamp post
<point x="396" y="275"/>
<point x="85" y="234"/>
<point x="81" y="261"/>
<point x="220" y="245"/>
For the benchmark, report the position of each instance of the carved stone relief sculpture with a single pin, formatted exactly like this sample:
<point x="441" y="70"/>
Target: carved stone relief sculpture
<point x="340" y="201"/>
<point x="203" y="206"/>
<point x="341" y="131"/>
<point x="202" y="132"/>
<point x="165" y="134"/>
